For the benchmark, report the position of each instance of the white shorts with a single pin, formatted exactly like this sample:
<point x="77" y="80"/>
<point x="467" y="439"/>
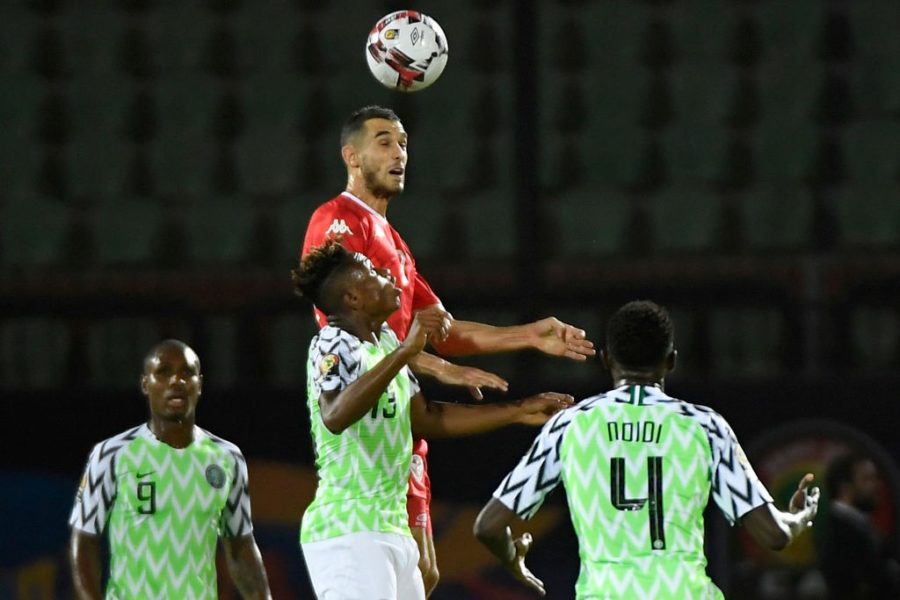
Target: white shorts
<point x="365" y="566"/>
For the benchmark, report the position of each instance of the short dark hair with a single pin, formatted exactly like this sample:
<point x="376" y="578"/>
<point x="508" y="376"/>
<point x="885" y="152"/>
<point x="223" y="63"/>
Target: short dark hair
<point x="355" y="121"/>
<point x="148" y="358"/>
<point x="840" y="471"/>
<point x="640" y="335"/>
<point x="314" y="276"/>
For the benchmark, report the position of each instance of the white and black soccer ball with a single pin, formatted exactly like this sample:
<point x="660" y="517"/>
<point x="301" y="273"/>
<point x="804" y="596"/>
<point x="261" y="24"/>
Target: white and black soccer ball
<point x="406" y="51"/>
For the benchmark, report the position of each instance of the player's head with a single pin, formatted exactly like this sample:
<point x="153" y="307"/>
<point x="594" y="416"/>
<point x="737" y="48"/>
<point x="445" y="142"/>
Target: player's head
<point x="373" y="146"/>
<point x="640" y="340"/>
<point x="339" y="282"/>
<point x="172" y="381"/>
<point x="853" y="478"/>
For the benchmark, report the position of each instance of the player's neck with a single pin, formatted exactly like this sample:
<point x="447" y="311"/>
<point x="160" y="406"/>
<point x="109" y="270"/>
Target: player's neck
<point x="178" y="434"/>
<point x="362" y="326"/>
<point x="638" y="379"/>
<point x="376" y="202"/>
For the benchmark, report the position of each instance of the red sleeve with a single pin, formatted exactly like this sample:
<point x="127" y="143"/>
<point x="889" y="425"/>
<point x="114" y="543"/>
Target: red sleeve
<point x="423" y="295"/>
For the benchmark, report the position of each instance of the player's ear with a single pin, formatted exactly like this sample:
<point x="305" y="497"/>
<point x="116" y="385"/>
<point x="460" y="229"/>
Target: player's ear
<point x="604" y="357"/>
<point x="144" y="384"/>
<point x="199" y="384"/>
<point x="350" y="156"/>
<point x="671" y="359"/>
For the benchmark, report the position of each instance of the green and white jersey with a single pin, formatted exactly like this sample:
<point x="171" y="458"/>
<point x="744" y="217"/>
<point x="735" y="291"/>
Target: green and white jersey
<point x="638" y="467"/>
<point x="164" y="509"/>
<point x="363" y="471"/>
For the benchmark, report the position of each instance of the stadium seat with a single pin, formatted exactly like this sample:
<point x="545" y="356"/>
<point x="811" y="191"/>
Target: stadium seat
<point x="125" y="232"/>
<point x="178" y="32"/>
<point x="291" y="335"/>
<point x="791" y="29"/>
<point x="16" y="47"/>
<point x="116" y="348"/>
<point x="268" y="161"/>
<point x="220" y="230"/>
<point x="418" y="215"/>
<point x="702" y="30"/>
<point x="20" y="165"/>
<point x="590" y="221"/>
<point x="33" y="353"/>
<point x="32" y="231"/>
<point x="220" y="352"/>
<point x="694" y="153"/>
<point x="746" y="342"/>
<point x="490" y="221"/>
<point x="871" y="151"/>
<point x="97" y="167"/>
<point x="874" y="338"/>
<point x="91" y="39"/>
<point x="777" y="217"/>
<point x="266" y="32"/>
<point x="187" y="104"/>
<point x="182" y="167"/>
<point x="868" y="216"/>
<point x="685" y="218"/>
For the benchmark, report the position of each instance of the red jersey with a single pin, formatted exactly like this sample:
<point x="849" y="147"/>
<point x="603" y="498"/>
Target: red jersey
<point x="366" y="231"/>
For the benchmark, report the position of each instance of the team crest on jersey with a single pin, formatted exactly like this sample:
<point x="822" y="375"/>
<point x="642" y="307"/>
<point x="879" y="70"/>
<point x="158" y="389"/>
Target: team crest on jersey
<point x="338" y="227"/>
<point x="329" y="362"/>
<point x="81" y="487"/>
<point x="215" y="475"/>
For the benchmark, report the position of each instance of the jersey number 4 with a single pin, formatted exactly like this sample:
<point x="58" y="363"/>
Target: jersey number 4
<point x="654" y="499"/>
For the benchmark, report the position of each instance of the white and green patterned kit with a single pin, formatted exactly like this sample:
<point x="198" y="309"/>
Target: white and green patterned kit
<point x="638" y="467"/>
<point x="163" y="509"/>
<point x="363" y="471"/>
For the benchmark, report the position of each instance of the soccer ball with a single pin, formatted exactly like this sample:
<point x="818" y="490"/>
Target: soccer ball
<point x="406" y="51"/>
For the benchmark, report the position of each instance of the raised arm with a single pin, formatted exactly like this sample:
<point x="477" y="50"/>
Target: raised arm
<point x="549" y="335"/>
<point x="776" y="529"/>
<point x="443" y="420"/>
<point x="342" y="408"/>
<point x="84" y="559"/>
<point x="246" y="567"/>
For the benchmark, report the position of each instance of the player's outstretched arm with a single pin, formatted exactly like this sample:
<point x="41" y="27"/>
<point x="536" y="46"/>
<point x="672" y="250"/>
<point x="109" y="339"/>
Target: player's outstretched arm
<point x="776" y="529"/>
<point x="492" y="529"/>
<point x="448" y="373"/>
<point x="442" y="420"/>
<point x="84" y="559"/>
<point x="549" y="335"/>
<point x="246" y="567"/>
<point x="342" y="408"/>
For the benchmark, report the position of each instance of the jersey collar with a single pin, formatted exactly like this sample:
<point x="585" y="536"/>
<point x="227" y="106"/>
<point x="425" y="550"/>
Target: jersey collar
<point x="353" y="198"/>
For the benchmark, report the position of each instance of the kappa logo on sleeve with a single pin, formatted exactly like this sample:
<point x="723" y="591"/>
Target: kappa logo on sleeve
<point x="338" y="227"/>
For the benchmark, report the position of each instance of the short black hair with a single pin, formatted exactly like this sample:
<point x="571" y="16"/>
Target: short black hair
<point x="314" y="276"/>
<point x="357" y="120"/>
<point x="640" y="335"/>
<point x="148" y="358"/>
<point x="840" y="471"/>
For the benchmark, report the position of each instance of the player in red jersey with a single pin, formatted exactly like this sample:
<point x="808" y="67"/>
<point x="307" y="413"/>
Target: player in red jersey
<point x="373" y="147"/>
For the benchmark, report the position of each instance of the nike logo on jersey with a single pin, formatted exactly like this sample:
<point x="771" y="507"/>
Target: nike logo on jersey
<point x="144" y="474"/>
<point x="338" y="227"/>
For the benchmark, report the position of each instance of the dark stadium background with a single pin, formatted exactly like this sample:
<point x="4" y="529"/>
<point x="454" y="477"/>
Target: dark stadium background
<point x="735" y="160"/>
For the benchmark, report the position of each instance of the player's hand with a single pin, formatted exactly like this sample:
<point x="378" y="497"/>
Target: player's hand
<point x="447" y="323"/>
<point x="432" y="321"/>
<point x="537" y="410"/>
<point x="472" y="378"/>
<point x="556" y="338"/>
<point x="805" y="500"/>
<point x="519" y="570"/>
